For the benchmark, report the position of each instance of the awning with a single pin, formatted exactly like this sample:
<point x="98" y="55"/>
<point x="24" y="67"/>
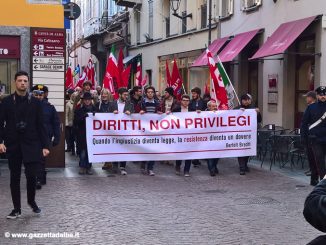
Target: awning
<point x="234" y="47"/>
<point x="214" y="48"/>
<point x="130" y="58"/>
<point x="283" y="37"/>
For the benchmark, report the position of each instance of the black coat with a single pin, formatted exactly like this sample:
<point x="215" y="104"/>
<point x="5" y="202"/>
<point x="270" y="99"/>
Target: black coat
<point x="313" y="113"/>
<point x="315" y="210"/>
<point x="29" y="144"/>
<point x="259" y="118"/>
<point x="198" y="105"/>
<point x="80" y="125"/>
<point x="178" y="109"/>
<point x="113" y="106"/>
<point x="51" y="122"/>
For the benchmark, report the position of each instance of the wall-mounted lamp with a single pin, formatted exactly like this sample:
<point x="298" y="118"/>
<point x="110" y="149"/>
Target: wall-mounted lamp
<point x="175" y="4"/>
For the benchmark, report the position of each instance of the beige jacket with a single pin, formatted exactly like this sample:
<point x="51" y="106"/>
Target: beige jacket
<point x="69" y="113"/>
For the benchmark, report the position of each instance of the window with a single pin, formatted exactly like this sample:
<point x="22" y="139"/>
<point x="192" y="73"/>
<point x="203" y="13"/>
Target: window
<point x="167" y="26"/>
<point x="150" y="22"/>
<point x="137" y="17"/>
<point x="248" y="5"/>
<point x="226" y="8"/>
<point x="203" y="12"/>
<point x="184" y="22"/>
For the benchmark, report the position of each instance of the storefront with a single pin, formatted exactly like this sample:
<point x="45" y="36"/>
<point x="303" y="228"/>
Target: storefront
<point x="9" y="62"/>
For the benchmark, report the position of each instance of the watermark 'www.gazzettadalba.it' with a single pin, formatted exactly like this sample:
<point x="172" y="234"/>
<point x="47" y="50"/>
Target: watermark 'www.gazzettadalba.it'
<point x="42" y="235"/>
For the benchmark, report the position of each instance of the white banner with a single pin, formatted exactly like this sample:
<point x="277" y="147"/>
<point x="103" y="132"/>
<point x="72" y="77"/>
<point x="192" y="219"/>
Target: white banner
<point x="178" y="136"/>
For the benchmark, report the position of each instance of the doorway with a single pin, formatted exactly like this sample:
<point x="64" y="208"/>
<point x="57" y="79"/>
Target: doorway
<point x="8" y="69"/>
<point x="304" y="75"/>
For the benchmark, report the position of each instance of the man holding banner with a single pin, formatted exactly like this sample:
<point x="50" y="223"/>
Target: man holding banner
<point x="150" y="105"/>
<point x="121" y="105"/>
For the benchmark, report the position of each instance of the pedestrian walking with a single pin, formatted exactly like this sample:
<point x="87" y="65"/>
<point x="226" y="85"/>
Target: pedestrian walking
<point x="246" y="103"/>
<point x="121" y="105"/>
<point x="24" y="140"/>
<point x="70" y="139"/>
<point x="183" y="107"/>
<point x="85" y="167"/>
<point x="149" y="105"/>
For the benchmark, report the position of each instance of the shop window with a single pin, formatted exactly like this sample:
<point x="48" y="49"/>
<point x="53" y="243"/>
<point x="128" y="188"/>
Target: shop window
<point x="226" y="9"/>
<point x="249" y="5"/>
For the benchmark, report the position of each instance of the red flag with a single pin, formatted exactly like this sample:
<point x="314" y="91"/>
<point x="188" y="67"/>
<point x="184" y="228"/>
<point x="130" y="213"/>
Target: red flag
<point x="82" y="79"/>
<point x="144" y="81"/>
<point x="138" y="74"/>
<point x="176" y="81"/>
<point x="218" y="90"/>
<point x="125" y="76"/>
<point x="168" y="75"/>
<point x="206" y="89"/>
<point x="69" y="79"/>
<point x="111" y="75"/>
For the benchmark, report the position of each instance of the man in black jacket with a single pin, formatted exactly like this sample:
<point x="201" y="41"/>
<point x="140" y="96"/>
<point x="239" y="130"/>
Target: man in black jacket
<point x="85" y="167"/>
<point x="315" y="211"/>
<point x="23" y="138"/>
<point x="52" y="126"/>
<point x="246" y="103"/>
<point x="121" y="105"/>
<point x="313" y="127"/>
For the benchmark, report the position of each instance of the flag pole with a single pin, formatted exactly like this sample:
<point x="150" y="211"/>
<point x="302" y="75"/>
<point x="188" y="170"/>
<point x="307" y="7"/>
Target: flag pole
<point x="236" y="95"/>
<point x="184" y="90"/>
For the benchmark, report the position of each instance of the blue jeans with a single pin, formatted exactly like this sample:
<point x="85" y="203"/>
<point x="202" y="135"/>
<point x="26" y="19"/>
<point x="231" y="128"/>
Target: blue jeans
<point x="150" y="165"/>
<point x="187" y="165"/>
<point x="83" y="159"/>
<point x="212" y="164"/>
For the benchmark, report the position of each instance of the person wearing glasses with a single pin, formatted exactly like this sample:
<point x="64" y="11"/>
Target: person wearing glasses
<point x="183" y="107"/>
<point x="24" y="139"/>
<point x="52" y="125"/>
<point x="149" y="105"/>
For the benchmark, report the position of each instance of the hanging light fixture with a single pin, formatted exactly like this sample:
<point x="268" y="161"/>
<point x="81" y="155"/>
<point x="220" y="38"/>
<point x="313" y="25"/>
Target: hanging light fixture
<point x="174" y="5"/>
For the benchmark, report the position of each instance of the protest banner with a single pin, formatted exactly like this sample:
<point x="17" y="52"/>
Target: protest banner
<point x="177" y="136"/>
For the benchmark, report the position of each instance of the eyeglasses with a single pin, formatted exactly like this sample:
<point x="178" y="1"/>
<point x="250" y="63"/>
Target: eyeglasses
<point x="149" y="92"/>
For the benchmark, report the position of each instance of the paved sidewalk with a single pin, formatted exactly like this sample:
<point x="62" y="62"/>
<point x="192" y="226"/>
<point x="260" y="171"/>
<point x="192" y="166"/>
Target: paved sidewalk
<point x="262" y="207"/>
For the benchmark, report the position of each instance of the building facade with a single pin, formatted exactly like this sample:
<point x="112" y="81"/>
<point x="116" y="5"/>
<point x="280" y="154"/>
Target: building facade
<point x="93" y="33"/>
<point x="240" y="28"/>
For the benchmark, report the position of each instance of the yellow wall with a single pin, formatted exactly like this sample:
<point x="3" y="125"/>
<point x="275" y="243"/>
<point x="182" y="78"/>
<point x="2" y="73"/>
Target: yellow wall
<point x="21" y="13"/>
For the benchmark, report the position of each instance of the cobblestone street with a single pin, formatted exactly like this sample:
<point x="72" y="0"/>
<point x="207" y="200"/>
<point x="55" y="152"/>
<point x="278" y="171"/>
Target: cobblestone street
<point x="262" y="207"/>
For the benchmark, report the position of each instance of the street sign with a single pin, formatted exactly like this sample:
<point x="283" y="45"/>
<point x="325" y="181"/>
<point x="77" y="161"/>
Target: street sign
<point x="54" y="61"/>
<point x="71" y="11"/>
<point x="48" y="60"/>
<point x="44" y="67"/>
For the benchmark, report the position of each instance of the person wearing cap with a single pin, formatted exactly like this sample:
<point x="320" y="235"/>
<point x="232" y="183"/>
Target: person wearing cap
<point x="52" y="125"/>
<point x="311" y="97"/>
<point x="69" y="122"/>
<point x="23" y="138"/>
<point x="85" y="167"/>
<point x="313" y="131"/>
<point x="246" y="103"/>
